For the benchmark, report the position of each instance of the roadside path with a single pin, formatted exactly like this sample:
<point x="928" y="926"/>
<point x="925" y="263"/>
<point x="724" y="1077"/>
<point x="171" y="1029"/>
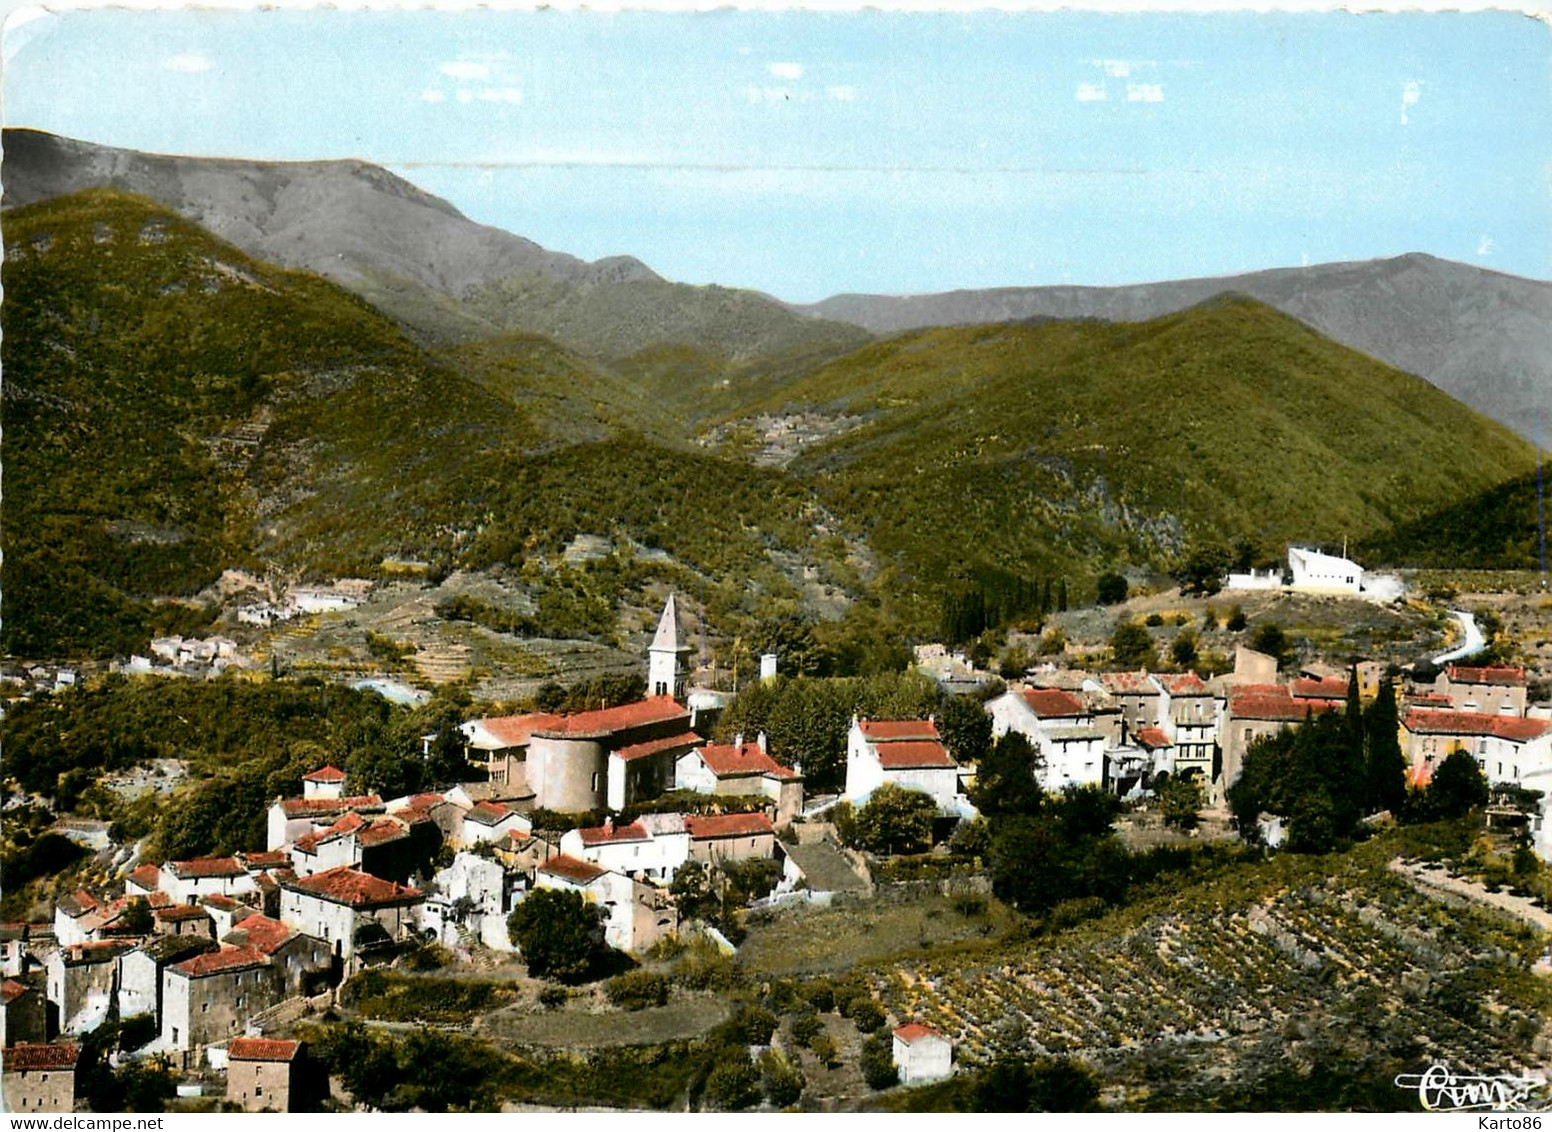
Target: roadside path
<point x="1473" y="643"/>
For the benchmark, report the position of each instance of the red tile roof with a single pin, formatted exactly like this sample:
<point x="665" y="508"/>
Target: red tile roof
<point x="1429" y="699"/>
<point x="1330" y="688"/>
<point x="893" y="730"/>
<point x="606" y="721"/>
<point x="205" y="867"/>
<point x="1515" y="728"/>
<point x="1053" y="703"/>
<point x="345" y="885"/>
<point x="96" y="951"/>
<point x="262" y="1049"/>
<point x="1153" y="738"/>
<point x="179" y="913"/>
<point x="328" y="807"/>
<point x="381" y="832"/>
<point x="1511" y="674"/>
<point x="1262" y="690"/>
<point x="77" y="903"/>
<point x="605" y="835"/>
<point x="425" y="801"/>
<point x="11" y="989"/>
<point x="146" y="876"/>
<point x="581" y="872"/>
<point x="1284" y="709"/>
<point x="61" y="1055"/>
<point x="268" y="859"/>
<point x="224" y="903"/>
<point x="915" y="1031"/>
<point x="220" y="962"/>
<point x="1128" y="682"/>
<point x="515" y="730"/>
<point x="489" y="813"/>
<point x="686" y="740"/>
<point x="264" y="934"/>
<point x="706" y="827"/>
<point x="727" y="761"/>
<point x="909" y="755"/>
<point x="325" y="774"/>
<point x="1184" y="684"/>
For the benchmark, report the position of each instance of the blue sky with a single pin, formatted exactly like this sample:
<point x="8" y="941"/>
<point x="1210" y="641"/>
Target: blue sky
<point x="807" y="154"/>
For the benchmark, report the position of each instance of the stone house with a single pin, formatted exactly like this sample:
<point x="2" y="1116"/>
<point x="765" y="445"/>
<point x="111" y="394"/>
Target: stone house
<point x="334" y="905"/>
<point x="525" y="852"/>
<point x="1190" y="717"/>
<point x="82" y="983"/>
<point x="23" y="1013"/>
<point x="1256" y="712"/>
<point x="187" y="881"/>
<point x="922" y="1054"/>
<point x="40" y="1078"/>
<point x="490" y="821"/>
<point x="1491" y="690"/>
<point x="742" y="769"/>
<point x="730" y="837"/>
<point x="471" y="898"/>
<point x="141" y="971"/>
<point x="263" y="1074"/>
<point x="908" y="753"/>
<point x="300" y="959"/>
<point x="290" y="818"/>
<point x="183" y="919"/>
<point x="209" y="998"/>
<point x="1508" y="749"/>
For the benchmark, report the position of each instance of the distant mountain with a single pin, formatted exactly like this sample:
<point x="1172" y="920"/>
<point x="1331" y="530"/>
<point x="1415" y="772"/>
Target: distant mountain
<point x="1483" y="337"/>
<point x="415" y="256"/>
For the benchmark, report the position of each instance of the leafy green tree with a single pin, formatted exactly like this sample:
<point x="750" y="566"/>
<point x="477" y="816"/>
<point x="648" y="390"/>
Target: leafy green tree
<point x="895" y="820"/>
<point x="1269" y="638"/>
<point x="1181" y="800"/>
<point x="1006" y="780"/>
<point x="1111" y="588"/>
<point x="1182" y="650"/>
<point x="1132" y="647"/>
<point x="1017" y="1084"/>
<point x="1203" y="569"/>
<point x="1458" y="786"/>
<point x="966" y="729"/>
<point x="557" y="932"/>
<point x="878" y="1062"/>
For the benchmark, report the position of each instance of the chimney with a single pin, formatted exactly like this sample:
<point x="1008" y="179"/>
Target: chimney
<point x="738" y="741"/>
<point x="760" y="739"/>
<point x="608" y="825"/>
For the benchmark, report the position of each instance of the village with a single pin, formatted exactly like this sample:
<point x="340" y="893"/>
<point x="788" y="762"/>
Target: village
<point x="221" y="958"/>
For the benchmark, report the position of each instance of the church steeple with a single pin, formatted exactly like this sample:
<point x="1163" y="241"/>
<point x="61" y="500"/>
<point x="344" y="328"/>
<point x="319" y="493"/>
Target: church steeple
<point x="666" y="655"/>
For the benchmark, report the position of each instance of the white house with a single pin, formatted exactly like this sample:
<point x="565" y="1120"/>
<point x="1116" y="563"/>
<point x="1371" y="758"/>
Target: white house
<point x="1190" y="718"/>
<point x="741" y="768"/>
<point x="635" y="915"/>
<point x="1509" y="749"/>
<point x="331" y="905"/>
<point x="325" y="782"/>
<point x="290" y="818"/>
<point x="1062" y="730"/>
<point x="1325" y="573"/>
<point x="210" y="998"/>
<point x="906" y="752"/>
<point x="471" y="897"/>
<point x="491" y="821"/>
<point x="632" y="849"/>
<point x="922" y="1054"/>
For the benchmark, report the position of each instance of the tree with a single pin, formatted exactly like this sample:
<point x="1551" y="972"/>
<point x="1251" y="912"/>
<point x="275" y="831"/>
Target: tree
<point x="1181" y="800"/>
<point x="1182" y="650"/>
<point x="1385" y="765"/>
<point x="1202" y="571"/>
<point x="735" y="1083"/>
<point x="1112" y="589"/>
<point x="780" y="1078"/>
<point x="966" y="729"/>
<point x="1457" y="787"/>
<point x="1236" y="620"/>
<point x="1132" y="647"/>
<point x="1006" y="780"/>
<point x="557" y="932"/>
<point x="692" y="893"/>
<point x="878" y="1062"/>
<point x="1048" y="1084"/>
<point x="1061" y="596"/>
<point x="1270" y="639"/>
<point x="895" y="821"/>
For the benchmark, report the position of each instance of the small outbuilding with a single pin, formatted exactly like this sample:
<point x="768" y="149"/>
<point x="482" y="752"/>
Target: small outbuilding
<point x="922" y="1054"/>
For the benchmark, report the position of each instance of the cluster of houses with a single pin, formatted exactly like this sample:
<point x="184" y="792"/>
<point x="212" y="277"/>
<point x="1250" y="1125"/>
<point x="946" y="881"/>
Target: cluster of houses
<point x="221" y="951"/>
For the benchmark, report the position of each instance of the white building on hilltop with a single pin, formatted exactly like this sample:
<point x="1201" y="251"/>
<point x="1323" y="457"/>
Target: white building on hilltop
<point x="1309" y="571"/>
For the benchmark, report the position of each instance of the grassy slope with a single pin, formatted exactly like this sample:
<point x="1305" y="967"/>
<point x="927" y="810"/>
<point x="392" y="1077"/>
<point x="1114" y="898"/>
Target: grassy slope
<point x="1494" y="530"/>
<point x="1053" y="443"/>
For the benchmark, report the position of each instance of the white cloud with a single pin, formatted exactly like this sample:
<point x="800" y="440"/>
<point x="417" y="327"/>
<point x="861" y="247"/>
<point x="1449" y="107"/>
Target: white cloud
<point x="1144" y="92"/>
<point x="841" y="93"/>
<point x="1115" y="68"/>
<point x="1485" y="246"/>
<point x="510" y="94"/>
<point x="791" y="72"/>
<point x="432" y="96"/>
<point x="1091" y="92"/>
<point x="187" y="63"/>
<point x="462" y="69"/>
<point x="1411" y="92"/>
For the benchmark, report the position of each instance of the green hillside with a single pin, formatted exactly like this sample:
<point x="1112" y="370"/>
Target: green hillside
<point x="1062" y="444"/>
<point x="1497" y="529"/>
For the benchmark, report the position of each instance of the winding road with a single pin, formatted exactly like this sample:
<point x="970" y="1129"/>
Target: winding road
<point x="1473" y="643"/>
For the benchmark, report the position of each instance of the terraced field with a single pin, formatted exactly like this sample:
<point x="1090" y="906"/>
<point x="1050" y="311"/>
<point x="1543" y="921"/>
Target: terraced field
<point x="1352" y="965"/>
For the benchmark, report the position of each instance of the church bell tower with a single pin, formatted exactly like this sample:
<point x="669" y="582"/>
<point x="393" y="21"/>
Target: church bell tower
<point x="666" y="656"/>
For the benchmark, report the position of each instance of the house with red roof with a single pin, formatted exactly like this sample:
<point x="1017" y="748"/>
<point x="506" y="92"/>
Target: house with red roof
<point x="341" y="907"/>
<point x="1061" y="727"/>
<point x="325" y="782"/>
<point x="1509" y="749"/>
<point x="143" y="881"/>
<point x="187" y="881"/>
<point x="742" y="769"/>
<point x="922" y="1054"/>
<point x="209" y="998"/>
<point x="290" y="818"/>
<point x="1255" y="712"/>
<point x="1492" y="689"/>
<point x="730" y="837"/>
<point x="630" y="847"/>
<point x="635" y="914"/>
<point x="141" y="971"/>
<point x="23" y="1013"/>
<point x="300" y="958"/>
<point x="1138" y="698"/>
<point x="491" y="821"/>
<point x="266" y="1074"/>
<point x="909" y="753"/>
<point x="1192" y="717"/>
<point x="39" y="1078"/>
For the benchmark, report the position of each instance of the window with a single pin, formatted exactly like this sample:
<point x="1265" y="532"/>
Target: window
<point x="204" y="1008"/>
<point x="258" y="1090"/>
<point x="595" y="780"/>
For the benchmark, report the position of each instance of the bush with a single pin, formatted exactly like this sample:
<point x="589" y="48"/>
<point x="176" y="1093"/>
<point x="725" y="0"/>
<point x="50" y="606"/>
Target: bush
<point x="752" y="1026"/>
<point x="553" y="996"/>
<point x="636" y="990"/>
<point x="1112" y="589"/>
<point x="432" y="957"/>
<point x="820" y="994"/>
<point x="781" y="1081"/>
<point x="1236" y="622"/>
<point x="806" y="1028"/>
<point x="878" y="1062"/>
<point x="866" y="1014"/>
<point x="735" y="1083"/>
<point x="825" y="1049"/>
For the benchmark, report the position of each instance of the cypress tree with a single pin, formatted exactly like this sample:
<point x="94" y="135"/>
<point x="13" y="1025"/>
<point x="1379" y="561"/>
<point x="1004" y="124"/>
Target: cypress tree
<point x="1386" y="766"/>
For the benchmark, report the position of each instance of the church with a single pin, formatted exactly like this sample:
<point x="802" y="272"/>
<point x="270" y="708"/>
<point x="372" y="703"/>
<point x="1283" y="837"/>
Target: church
<point x="604" y="759"/>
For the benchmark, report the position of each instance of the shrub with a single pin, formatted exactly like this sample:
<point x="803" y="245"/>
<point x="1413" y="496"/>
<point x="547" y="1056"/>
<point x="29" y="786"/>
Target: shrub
<point x="636" y="990"/>
<point x="781" y="1080"/>
<point x="878" y="1062"/>
<point x="1236" y="622"/>
<point x="1154" y="620"/>
<point x="806" y="1028"/>
<point x="1111" y="589"/>
<point x="820" y="994"/>
<point x="735" y="1083"/>
<point x="432" y="957"/>
<point x="553" y="996"/>
<point x="825" y="1049"/>
<point x="752" y="1026"/>
<point x="867" y="1015"/>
